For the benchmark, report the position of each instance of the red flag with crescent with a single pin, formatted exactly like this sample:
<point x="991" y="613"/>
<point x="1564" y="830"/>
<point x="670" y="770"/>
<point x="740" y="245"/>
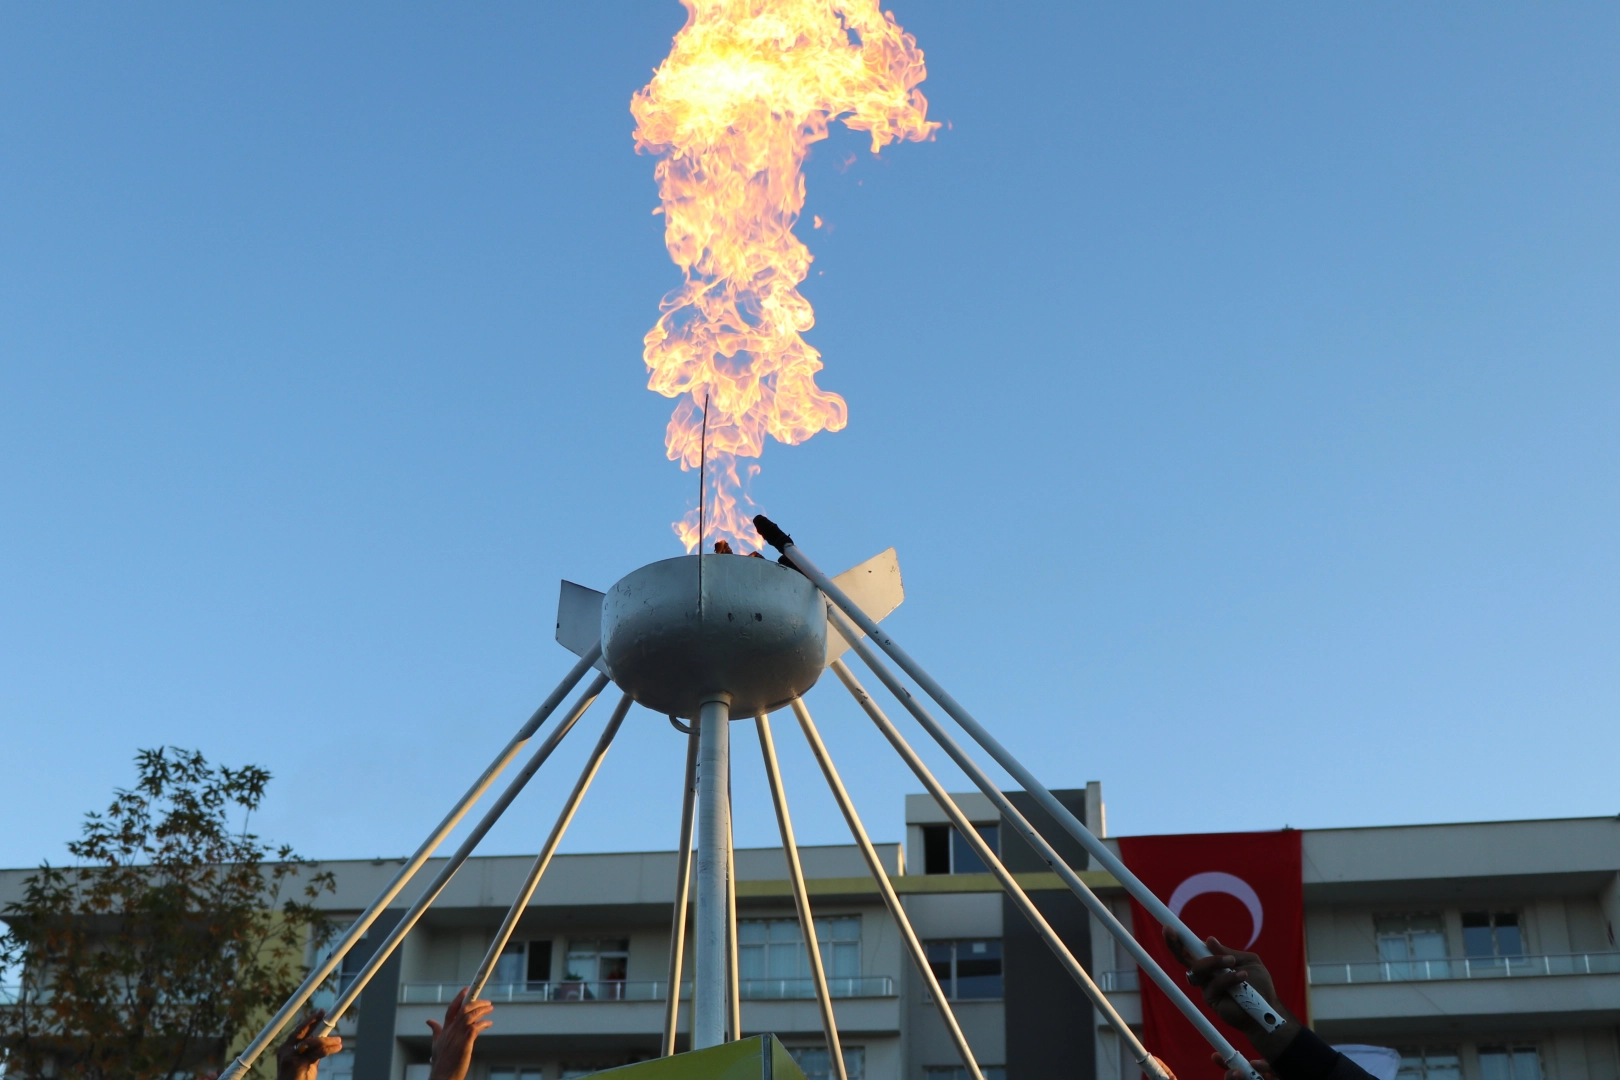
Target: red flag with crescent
<point x="1247" y="889"/>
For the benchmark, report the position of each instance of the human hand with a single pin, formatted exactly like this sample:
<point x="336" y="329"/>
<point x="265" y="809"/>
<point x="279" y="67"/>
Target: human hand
<point x="453" y="1040"/>
<point x="1219" y="973"/>
<point x="297" y="1058"/>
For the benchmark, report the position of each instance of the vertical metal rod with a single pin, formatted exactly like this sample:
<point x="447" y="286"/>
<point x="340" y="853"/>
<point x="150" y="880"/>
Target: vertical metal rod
<point x="801" y="895"/>
<point x="891" y="900"/>
<point x="352" y="993"/>
<point x="734" y="984"/>
<point x="1245" y="995"/>
<point x="1150" y="1064"/>
<point x="543" y="860"/>
<point x="1093" y="903"/>
<point x="319" y="973"/>
<point x="714" y="823"/>
<point x="683" y="887"/>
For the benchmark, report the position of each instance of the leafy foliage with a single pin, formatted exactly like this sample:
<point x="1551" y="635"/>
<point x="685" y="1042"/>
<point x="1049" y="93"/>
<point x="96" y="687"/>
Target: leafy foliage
<point x="172" y="934"/>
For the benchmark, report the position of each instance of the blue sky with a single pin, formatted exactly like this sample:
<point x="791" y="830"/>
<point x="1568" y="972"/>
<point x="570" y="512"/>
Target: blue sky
<point x="1237" y="383"/>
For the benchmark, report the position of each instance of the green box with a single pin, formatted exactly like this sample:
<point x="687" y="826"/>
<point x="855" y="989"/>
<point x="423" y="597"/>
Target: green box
<point x="758" y="1058"/>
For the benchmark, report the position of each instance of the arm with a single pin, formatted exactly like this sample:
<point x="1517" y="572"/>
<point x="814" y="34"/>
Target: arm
<point x="453" y="1040"/>
<point x="298" y="1057"/>
<point x="1291" y="1052"/>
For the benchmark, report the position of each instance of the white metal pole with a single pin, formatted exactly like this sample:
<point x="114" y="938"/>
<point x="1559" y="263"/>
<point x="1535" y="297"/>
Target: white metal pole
<point x="714" y="824"/>
<point x="318" y="975"/>
<point x="891" y="900"/>
<point x="801" y="899"/>
<point x="1150" y="1064"/>
<point x="543" y="860"/>
<point x="1244" y="994"/>
<point x="683" y="886"/>
<point x="352" y="993"/>
<point x="982" y="781"/>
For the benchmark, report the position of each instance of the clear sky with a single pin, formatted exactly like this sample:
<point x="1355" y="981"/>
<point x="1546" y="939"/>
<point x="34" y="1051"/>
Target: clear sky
<point x="1237" y="382"/>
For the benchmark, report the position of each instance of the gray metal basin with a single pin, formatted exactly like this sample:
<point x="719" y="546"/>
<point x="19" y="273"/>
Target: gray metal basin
<point x="758" y="632"/>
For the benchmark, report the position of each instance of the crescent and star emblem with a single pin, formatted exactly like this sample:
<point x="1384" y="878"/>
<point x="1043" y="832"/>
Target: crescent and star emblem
<point x="1214" y="881"/>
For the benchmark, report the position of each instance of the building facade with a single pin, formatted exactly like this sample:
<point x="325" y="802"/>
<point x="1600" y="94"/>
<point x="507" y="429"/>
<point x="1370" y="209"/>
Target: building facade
<point x="1479" y="951"/>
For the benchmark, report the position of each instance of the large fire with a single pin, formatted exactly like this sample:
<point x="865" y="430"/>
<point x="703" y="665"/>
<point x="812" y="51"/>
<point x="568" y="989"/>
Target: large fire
<point x="747" y="87"/>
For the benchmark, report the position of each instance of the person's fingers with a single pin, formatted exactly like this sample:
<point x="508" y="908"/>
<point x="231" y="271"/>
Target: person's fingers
<point x="307" y="1025"/>
<point x="1225" y="981"/>
<point x="478" y="1008"/>
<point x="482" y="1026"/>
<point x="435" y="1027"/>
<point x="325" y="1046"/>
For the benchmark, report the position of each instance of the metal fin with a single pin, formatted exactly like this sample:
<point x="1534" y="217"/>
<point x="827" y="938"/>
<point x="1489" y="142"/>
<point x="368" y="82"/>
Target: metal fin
<point x="579" y="620"/>
<point x="875" y="587"/>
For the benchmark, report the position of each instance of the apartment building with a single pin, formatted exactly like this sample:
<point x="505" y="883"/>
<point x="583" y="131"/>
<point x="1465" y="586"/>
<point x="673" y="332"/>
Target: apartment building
<point x="1478" y="951"/>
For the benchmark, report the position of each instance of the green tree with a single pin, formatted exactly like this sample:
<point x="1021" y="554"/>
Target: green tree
<point x="174" y="931"/>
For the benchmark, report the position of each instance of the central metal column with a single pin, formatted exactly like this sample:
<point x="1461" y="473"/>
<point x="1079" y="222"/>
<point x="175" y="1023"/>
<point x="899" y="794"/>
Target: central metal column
<point x="713" y="904"/>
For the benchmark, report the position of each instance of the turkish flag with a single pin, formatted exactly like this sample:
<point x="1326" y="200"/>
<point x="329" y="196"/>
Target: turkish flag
<point x="1247" y="889"/>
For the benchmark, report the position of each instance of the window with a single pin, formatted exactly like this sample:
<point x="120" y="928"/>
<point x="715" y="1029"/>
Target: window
<point x="774" y="948"/>
<point x="1429" y="1063"/>
<point x="338" y="1067"/>
<point x="966" y="970"/>
<point x="573" y="1072"/>
<point x="1491" y="933"/>
<point x="1509" y="1063"/>
<point x="1405" y="942"/>
<point x="960" y="1072"/>
<point x="525" y="965"/>
<point x="816" y="1062"/>
<point x="510" y="1072"/>
<point x="596" y="970"/>
<point x="946" y="851"/>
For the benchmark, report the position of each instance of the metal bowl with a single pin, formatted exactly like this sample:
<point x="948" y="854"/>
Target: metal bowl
<point x="756" y="631"/>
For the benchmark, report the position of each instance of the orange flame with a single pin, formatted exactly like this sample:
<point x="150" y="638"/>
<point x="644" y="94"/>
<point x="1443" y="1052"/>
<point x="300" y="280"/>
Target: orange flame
<point x="747" y="87"/>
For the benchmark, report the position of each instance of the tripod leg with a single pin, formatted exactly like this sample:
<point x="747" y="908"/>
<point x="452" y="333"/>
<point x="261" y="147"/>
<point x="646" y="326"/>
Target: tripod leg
<point x="891" y="900"/>
<point x="683" y="886"/>
<point x="318" y="975"/>
<point x="352" y="993"/>
<point x="543" y="860"/>
<point x="801" y="897"/>
<point x="1150" y="1064"/>
<point x="982" y="781"/>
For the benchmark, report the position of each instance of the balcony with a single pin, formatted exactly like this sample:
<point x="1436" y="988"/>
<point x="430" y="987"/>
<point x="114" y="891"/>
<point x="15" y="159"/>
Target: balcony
<point x="861" y="986"/>
<point x="1489" y="967"/>
<point x="1121" y="981"/>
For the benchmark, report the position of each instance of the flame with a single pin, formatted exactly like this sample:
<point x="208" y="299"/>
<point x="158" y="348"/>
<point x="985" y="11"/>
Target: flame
<point x="747" y="87"/>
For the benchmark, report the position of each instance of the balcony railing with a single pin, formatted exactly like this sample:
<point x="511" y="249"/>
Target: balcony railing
<point x="1456" y="967"/>
<point x="1469" y="967"/>
<point x="861" y="986"/>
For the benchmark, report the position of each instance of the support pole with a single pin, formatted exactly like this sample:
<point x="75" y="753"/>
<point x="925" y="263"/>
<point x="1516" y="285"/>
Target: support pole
<point x="352" y="993"/>
<point x="683" y="886"/>
<point x="543" y="860"/>
<point x="1245" y="995"/>
<point x="1150" y="1064"/>
<point x="1098" y="909"/>
<point x="801" y="896"/>
<point x="734" y="983"/>
<point x="318" y="975"/>
<point x="714" y="824"/>
<point x="891" y="899"/>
